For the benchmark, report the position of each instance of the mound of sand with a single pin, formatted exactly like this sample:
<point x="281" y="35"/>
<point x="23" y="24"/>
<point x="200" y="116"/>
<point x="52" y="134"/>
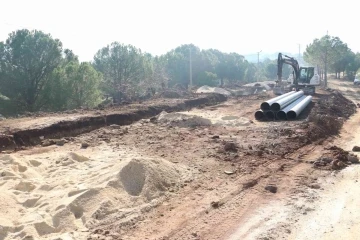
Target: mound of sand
<point x="182" y="120"/>
<point x="207" y="89"/>
<point x="44" y="196"/>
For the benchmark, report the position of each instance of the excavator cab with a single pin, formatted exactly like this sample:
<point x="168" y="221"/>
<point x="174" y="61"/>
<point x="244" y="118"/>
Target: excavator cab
<point x="306" y="74"/>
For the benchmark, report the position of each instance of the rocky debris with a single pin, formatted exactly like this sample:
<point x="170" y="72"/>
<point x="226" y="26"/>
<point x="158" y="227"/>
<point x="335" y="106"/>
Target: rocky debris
<point x="215" y="137"/>
<point x="322" y="161"/>
<point x="271" y="188"/>
<point x="314" y="186"/>
<point x="335" y="158"/>
<point x="356" y="149"/>
<point x="85" y="145"/>
<point x="48" y="142"/>
<point x="153" y="119"/>
<point x="60" y="142"/>
<point x="230" y="147"/>
<point x="337" y="164"/>
<point x="250" y="184"/>
<point x="227" y="172"/>
<point x="216" y="204"/>
<point x="353" y="158"/>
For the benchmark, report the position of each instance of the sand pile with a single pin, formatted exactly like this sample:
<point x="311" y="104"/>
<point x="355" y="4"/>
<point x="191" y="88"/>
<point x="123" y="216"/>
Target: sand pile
<point x="182" y="119"/>
<point x="196" y="119"/>
<point x="207" y="89"/>
<point x="60" y="194"/>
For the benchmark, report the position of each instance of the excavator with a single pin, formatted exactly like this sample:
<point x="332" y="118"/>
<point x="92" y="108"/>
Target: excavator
<point x="302" y="78"/>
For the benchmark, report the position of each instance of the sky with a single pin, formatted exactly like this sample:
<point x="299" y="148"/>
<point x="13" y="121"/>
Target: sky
<point x="157" y="26"/>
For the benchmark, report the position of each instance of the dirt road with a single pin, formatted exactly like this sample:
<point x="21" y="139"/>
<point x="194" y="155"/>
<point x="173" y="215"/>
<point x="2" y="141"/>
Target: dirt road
<point x="336" y="213"/>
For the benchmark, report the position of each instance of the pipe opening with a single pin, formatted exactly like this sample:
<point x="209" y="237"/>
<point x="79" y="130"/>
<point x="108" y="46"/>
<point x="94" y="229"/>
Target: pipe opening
<point x="275" y="107"/>
<point x="259" y="115"/>
<point x="291" y="115"/>
<point x="281" y="115"/>
<point x="270" y="115"/>
<point x="265" y="106"/>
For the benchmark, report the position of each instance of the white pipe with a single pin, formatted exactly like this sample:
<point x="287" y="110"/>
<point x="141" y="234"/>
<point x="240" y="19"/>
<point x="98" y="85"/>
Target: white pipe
<point x="281" y="115"/>
<point x="283" y="102"/>
<point x="296" y="110"/>
<point x="266" y="105"/>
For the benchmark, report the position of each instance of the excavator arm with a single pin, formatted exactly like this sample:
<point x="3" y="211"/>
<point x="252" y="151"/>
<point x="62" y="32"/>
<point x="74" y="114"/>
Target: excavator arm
<point x="290" y="61"/>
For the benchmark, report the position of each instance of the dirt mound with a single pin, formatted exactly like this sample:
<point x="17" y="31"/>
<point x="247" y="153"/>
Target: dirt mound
<point x="182" y="120"/>
<point x="149" y="177"/>
<point x="329" y="114"/>
<point x="207" y="89"/>
<point x="172" y="94"/>
<point x="335" y="158"/>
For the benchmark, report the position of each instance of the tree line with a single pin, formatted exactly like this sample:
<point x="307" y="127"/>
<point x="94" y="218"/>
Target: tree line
<point x="330" y="54"/>
<point x="38" y="74"/>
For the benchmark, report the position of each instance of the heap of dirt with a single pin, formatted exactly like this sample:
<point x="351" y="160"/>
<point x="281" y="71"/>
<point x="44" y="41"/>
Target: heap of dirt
<point x="149" y="177"/>
<point x="207" y="89"/>
<point x="182" y="120"/>
<point x="335" y="158"/>
<point x="329" y="114"/>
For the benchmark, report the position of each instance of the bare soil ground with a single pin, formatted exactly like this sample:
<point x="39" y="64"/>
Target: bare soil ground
<point x="229" y="177"/>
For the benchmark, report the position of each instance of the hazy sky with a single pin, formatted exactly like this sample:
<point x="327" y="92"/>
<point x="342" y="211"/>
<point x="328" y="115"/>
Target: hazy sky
<point x="157" y="26"/>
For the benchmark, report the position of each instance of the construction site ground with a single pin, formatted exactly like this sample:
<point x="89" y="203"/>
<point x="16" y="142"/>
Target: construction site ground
<point x="206" y="171"/>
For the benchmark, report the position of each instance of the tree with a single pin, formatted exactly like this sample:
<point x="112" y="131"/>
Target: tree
<point x="324" y="52"/>
<point x="271" y="70"/>
<point x="27" y="59"/>
<point x="353" y="66"/>
<point x="122" y="67"/>
<point x="250" y="73"/>
<point x="84" y="83"/>
<point x="73" y="85"/>
<point x="343" y="58"/>
<point x="178" y="64"/>
<point x="231" y="66"/>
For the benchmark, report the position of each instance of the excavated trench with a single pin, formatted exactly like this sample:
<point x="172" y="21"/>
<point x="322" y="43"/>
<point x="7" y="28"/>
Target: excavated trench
<point x="71" y="128"/>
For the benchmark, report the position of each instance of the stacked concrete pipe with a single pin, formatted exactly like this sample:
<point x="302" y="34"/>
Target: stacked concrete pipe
<point x="285" y="107"/>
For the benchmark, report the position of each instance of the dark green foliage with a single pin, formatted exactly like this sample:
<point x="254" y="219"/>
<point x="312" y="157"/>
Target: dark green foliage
<point x="331" y="54"/>
<point x="36" y="74"/>
<point x="27" y="59"/>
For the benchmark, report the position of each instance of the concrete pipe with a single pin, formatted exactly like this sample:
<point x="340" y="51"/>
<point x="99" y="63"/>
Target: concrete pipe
<point x="283" y="102"/>
<point x="265" y="106"/>
<point x="270" y="115"/>
<point x="281" y="115"/>
<point x="260" y="115"/>
<point x="294" y="112"/>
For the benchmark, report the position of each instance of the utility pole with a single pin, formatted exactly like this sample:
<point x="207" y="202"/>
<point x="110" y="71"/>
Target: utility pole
<point x="299" y="52"/>
<point x="258" y="65"/>
<point x="190" y="87"/>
